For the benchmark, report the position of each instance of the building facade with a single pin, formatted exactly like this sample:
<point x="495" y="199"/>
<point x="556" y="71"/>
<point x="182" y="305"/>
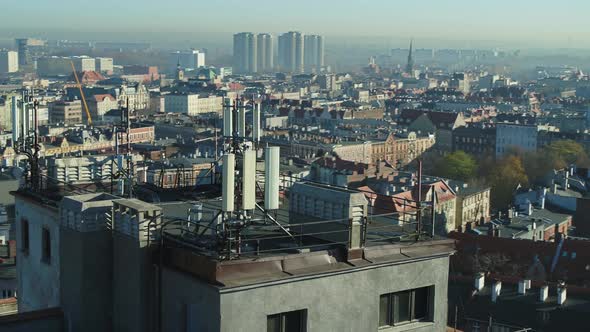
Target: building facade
<point x="515" y="136"/>
<point x="291" y="52"/>
<point x="265" y="52"/>
<point x="193" y="104"/>
<point x="67" y="112"/>
<point x="8" y="62"/>
<point x="314" y="53"/>
<point x="245" y="53"/>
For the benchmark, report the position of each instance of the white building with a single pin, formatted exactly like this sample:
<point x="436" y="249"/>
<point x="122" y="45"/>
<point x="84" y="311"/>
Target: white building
<point x="314" y="53"/>
<point x="104" y="65"/>
<point x="193" y="104"/>
<point x="189" y="60"/>
<point x="8" y="62"/>
<point x="291" y="52"/>
<point x="515" y="136"/>
<point x="245" y="53"/>
<point x="265" y="52"/>
<point x="84" y="63"/>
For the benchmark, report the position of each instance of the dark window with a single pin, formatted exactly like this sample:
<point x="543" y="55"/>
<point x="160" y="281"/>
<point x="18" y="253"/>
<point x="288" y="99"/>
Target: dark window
<point x="404" y="307"/>
<point x="46" y="246"/>
<point x="292" y="321"/>
<point x="25" y="235"/>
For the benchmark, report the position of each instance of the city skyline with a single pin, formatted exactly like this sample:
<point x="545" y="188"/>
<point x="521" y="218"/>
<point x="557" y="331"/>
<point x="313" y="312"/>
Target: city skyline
<point x="521" y="22"/>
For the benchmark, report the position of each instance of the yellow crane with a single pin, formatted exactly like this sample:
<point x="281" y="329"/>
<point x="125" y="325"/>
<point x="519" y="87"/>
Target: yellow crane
<point x="82" y="94"/>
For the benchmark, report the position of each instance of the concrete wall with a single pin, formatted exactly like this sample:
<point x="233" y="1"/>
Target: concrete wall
<point x="53" y="324"/>
<point x="38" y="281"/>
<point x="86" y="279"/>
<point x="343" y="301"/>
<point x="185" y="296"/>
<point x="133" y="286"/>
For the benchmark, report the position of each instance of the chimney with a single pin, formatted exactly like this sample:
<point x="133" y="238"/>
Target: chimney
<point x="479" y="281"/>
<point x="561" y="293"/>
<point x="543" y="293"/>
<point x="522" y="287"/>
<point x="496" y="288"/>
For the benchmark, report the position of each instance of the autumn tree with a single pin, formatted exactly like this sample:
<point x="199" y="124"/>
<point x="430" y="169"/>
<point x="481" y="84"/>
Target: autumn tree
<point x="504" y="178"/>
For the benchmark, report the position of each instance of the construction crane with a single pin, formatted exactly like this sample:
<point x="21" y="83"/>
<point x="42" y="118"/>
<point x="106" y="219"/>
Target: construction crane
<point x="82" y="94"/>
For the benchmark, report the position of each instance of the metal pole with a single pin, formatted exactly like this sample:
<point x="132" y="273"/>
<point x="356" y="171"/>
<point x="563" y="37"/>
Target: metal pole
<point x="418" y="202"/>
<point x="433" y="212"/>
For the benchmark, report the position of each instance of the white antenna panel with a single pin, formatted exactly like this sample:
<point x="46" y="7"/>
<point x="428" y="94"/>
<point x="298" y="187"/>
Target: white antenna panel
<point x="249" y="180"/>
<point x="271" y="178"/>
<point x="227" y="118"/>
<point x="228" y="183"/>
<point x="256" y="130"/>
<point x="241" y="120"/>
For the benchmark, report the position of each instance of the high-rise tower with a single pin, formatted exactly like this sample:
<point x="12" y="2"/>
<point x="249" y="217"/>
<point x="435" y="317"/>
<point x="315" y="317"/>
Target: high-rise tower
<point x="245" y="53"/>
<point x="410" y="64"/>
<point x="314" y="53"/>
<point x="291" y="52"/>
<point x="265" y="52"/>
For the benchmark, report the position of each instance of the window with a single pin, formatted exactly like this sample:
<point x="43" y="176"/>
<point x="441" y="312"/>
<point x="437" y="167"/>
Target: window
<point x="404" y="307"/>
<point x="25" y="235"/>
<point x="46" y="246"/>
<point x="292" y="321"/>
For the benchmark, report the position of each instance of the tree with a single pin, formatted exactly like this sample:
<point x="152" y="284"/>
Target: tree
<point x="569" y="151"/>
<point x="457" y="166"/>
<point x="507" y="174"/>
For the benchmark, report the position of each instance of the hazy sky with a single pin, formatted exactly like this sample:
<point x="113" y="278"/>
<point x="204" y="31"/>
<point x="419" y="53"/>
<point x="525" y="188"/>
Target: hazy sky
<point x="546" y="23"/>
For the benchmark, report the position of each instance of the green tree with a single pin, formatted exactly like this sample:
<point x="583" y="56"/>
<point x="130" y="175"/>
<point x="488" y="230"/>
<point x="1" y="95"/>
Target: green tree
<point x="457" y="166"/>
<point x="507" y="174"/>
<point x="569" y="151"/>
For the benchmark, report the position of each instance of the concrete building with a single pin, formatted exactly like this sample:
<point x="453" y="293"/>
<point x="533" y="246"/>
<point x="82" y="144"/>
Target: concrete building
<point x="265" y="52"/>
<point x="245" y="53"/>
<point x="83" y="63"/>
<point x="314" y="53"/>
<point x="26" y="46"/>
<point x="67" y="112"/>
<point x="135" y="96"/>
<point x="473" y="206"/>
<point x="188" y="60"/>
<point x="521" y="137"/>
<point x="400" y="151"/>
<point x="119" y="265"/>
<point x="193" y="104"/>
<point x="8" y="62"/>
<point x="291" y="52"/>
<point x="54" y="66"/>
<point x="99" y="105"/>
<point x="104" y="65"/>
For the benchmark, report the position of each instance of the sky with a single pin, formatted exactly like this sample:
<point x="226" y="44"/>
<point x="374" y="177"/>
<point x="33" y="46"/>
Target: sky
<point x="540" y="23"/>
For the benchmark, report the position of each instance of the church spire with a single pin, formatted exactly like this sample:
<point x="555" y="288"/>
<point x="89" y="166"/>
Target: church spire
<point x="410" y="64"/>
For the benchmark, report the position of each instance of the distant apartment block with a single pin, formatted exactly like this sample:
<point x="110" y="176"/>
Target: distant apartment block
<point x="104" y="65"/>
<point x="291" y="52"/>
<point x="193" y="104"/>
<point x="521" y="137"/>
<point x="314" y="53"/>
<point x="245" y="53"/>
<point x="188" y="60"/>
<point x="8" y="62"/>
<point x="67" y="112"/>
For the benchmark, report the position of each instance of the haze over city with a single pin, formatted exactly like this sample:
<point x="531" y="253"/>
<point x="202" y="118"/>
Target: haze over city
<point x="456" y="23"/>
